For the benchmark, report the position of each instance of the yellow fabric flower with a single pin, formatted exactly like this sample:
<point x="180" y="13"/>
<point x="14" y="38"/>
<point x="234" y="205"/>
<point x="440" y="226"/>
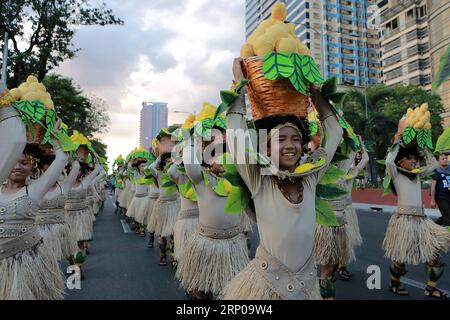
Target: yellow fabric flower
<point x="6" y="99"/>
<point x="79" y="138"/>
<point x="189" y="123"/>
<point x="208" y="111"/>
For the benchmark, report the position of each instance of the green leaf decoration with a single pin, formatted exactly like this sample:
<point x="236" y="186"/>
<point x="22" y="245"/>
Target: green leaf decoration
<point x="408" y="135"/>
<point x="146" y="181"/>
<point x="184" y="188"/>
<point x="203" y="128"/>
<point x="344" y="124"/>
<point x="443" y="143"/>
<point x="226" y="161"/>
<point x="310" y="70"/>
<point x="329" y="87"/>
<point x="50" y="122"/>
<point x="220" y="109"/>
<point x="325" y="214"/>
<point x="170" y="190"/>
<point x="219" y="188"/>
<point x="258" y="158"/>
<point x="220" y="122"/>
<point x="330" y="191"/>
<point x="237" y="201"/>
<point x="332" y="175"/>
<point x="276" y="65"/>
<point x="234" y="179"/>
<point x="33" y="110"/>
<point x="228" y="97"/>
<point x="381" y="162"/>
<point x="314" y="128"/>
<point x="166" y="182"/>
<point x="339" y="157"/>
<point x="422" y="138"/>
<point x="65" y="142"/>
<point x="337" y="98"/>
<point x="297" y="78"/>
<point x="444" y="70"/>
<point x="386" y="185"/>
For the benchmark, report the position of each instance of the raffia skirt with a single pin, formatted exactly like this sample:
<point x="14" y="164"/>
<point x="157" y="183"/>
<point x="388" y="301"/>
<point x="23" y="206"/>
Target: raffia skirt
<point x="82" y="224"/>
<point x="332" y="246"/>
<point x="184" y="228"/>
<point x="414" y="239"/>
<point x="209" y="264"/>
<point x="148" y="214"/>
<point x="32" y="274"/>
<point x="164" y="217"/>
<point x="138" y="208"/>
<point x="59" y="238"/>
<point x="353" y="231"/>
<point x="124" y="198"/>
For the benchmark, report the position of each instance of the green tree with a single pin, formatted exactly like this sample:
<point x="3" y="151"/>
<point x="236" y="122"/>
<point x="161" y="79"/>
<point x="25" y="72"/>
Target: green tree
<point x="49" y="42"/>
<point x="85" y="114"/>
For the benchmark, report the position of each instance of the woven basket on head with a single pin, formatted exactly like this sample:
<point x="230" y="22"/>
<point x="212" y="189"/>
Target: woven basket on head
<point x="272" y="97"/>
<point x="37" y="135"/>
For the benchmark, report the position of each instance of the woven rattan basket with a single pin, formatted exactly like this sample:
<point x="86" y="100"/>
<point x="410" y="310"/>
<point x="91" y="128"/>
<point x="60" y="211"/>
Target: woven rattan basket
<point x="270" y="98"/>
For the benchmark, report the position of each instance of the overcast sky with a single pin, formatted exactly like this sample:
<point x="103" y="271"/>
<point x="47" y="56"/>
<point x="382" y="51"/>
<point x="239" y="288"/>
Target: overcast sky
<point x="175" y="51"/>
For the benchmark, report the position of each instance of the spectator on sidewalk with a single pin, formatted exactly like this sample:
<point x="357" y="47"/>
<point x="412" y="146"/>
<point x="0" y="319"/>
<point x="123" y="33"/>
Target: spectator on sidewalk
<point x="440" y="190"/>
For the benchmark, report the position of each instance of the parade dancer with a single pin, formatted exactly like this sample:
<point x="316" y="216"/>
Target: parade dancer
<point x="12" y="134"/>
<point x="217" y="251"/>
<point x="139" y="205"/>
<point x="284" y="266"/>
<point x="412" y="237"/>
<point x="28" y="270"/>
<point x="52" y="218"/>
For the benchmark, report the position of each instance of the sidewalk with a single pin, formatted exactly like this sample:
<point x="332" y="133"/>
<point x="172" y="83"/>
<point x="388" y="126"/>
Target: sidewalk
<point x="432" y="213"/>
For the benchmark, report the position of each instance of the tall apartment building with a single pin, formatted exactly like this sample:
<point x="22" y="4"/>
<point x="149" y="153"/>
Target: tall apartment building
<point x="336" y="33"/>
<point x="439" y="24"/>
<point x="405" y="44"/>
<point x="154" y="117"/>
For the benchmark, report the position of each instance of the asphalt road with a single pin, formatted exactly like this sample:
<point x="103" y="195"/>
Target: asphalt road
<point x="121" y="267"/>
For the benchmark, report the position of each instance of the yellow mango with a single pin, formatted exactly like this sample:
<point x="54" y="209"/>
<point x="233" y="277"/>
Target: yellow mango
<point x="279" y="12"/>
<point x="304" y="168"/>
<point x="15" y="93"/>
<point x="189" y="193"/>
<point x="32" y="96"/>
<point x="278" y="31"/>
<point x="287" y="45"/>
<point x="263" y="45"/>
<point x="247" y="51"/>
<point x="417" y="126"/>
<point x="35" y="86"/>
<point x="424" y="107"/>
<point x="32" y="79"/>
<point x="291" y="27"/>
<point x="23" y="88"/>
<point x="427" y="126"/>
<point x="409" y="112"/>
<point x="49" y="104"/>
<point x="227" y="186"/>
<point x="302" y="48"/>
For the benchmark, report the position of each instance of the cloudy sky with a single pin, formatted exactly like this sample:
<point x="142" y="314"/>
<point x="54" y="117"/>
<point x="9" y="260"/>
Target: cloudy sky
<point x="176" y="51"/>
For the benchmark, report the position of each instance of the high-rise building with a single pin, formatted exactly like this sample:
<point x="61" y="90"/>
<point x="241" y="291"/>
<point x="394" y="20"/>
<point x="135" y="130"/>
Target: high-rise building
<point x="405" y="44"/>
<point x="336" y="33"/>
<point x="439" y="23"/>
<point x="153" y="119"/>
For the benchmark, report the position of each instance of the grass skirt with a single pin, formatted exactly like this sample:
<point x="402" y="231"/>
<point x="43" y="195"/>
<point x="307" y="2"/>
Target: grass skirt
<point x="59" y="238"/>
<point x="354" y="234"/>
<point x="250" y="285"/>
<point x="414" y="240"/>
<point x="82" y="224"/>
<point x="332" y="246"/>
<point x="208" y="265"/>
<point x="123" y="198"/>
<point x="246" y="223"/>
<point x="150" y="204"/>
<point x="31" y="275"/>
<point x="164" y="216"/>
<point x="138" y="209"/>
<point x="184" y="229"/>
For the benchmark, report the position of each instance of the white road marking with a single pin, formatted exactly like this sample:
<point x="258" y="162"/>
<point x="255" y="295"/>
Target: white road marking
<point x="125" y="226"/>
<point x="417" y="284"/>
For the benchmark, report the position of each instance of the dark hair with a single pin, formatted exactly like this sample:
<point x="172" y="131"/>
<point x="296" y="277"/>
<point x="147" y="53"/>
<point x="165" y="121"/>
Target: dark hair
<point x="46" y="160"/>
<point x="84" y="168"/>
<point x="164" y="157"/>
<point x="138" y="162"/>
<point x="406" y="153"/>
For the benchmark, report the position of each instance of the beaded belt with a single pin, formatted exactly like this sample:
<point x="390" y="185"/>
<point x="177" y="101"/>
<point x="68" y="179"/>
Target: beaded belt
<point x="75" y="205"/>
<point x="338" y="205"/>
<point x="143" y="195"/>
<point x="26" y="240"/>
<point x="411" y="211"/>
<point x="188" y="214"/>
<point x="218" y="233"/>
<point x="153" y="195"/>
<point x="50" y="216"/>
<point x="168" y="198"/>
<point x="287" y="284"/>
